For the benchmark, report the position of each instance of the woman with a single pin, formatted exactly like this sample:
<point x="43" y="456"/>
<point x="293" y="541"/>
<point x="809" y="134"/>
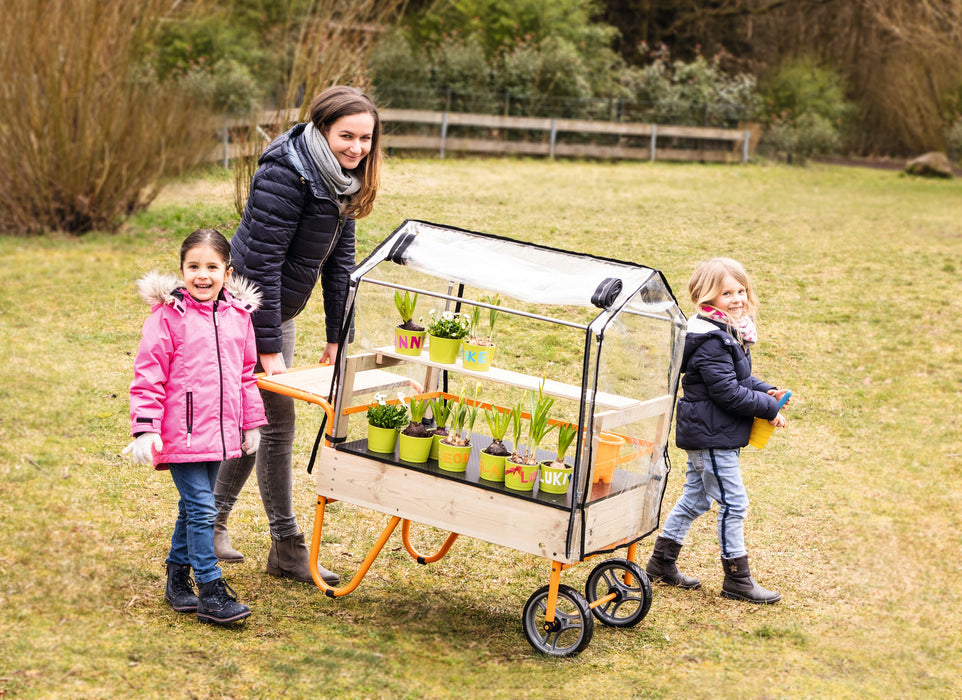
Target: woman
<point x="311" y="184"/>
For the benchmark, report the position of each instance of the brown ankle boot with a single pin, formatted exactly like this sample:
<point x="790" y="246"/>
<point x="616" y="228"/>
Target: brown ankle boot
<point x="661" y="567"/>
<point x="290" y="558"/>
<point x="222" y="547"/>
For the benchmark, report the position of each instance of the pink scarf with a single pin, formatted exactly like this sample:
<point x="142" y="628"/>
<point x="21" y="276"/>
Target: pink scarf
<point x="745" y="329"/>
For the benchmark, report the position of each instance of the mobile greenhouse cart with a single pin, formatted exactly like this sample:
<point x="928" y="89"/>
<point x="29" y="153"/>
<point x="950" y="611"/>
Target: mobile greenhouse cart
<point x="603" y="338"/>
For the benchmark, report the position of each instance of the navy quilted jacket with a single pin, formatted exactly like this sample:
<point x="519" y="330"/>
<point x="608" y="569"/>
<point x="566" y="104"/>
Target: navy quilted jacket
<point x="292" y="232"/>
<point x="721" y="397"/>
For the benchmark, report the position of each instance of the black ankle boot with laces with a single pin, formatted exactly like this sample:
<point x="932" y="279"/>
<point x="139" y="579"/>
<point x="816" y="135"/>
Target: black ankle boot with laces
<point x="218" y="604"/>
<point x="180" y="588"/>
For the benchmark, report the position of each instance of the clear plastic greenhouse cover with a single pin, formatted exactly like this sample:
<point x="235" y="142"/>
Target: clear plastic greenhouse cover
<point x="536" y="274"/>
<point x="601" y="337"/>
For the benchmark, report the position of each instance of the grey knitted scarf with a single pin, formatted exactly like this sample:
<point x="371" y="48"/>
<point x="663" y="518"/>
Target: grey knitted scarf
<point x="341" y="182"/>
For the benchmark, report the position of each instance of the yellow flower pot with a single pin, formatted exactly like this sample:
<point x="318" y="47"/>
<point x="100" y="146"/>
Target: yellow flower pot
<point x="520" y="477"/>
<point x="414" y="449"/>
<point x="444" y="350"/>
<point x="453" y="458"/>
<point x="381" y="440"/>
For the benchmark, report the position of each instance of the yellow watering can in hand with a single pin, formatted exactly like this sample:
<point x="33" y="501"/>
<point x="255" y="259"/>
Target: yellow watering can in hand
<point x="762" y="429"/>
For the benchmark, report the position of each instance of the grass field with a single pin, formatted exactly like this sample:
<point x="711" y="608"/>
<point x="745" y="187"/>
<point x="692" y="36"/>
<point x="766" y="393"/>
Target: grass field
<point x="855" y="518"/>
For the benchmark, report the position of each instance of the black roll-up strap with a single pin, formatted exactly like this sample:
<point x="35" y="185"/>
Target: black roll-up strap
<point x="606" y="293"/>
<point x="400" y="245"/>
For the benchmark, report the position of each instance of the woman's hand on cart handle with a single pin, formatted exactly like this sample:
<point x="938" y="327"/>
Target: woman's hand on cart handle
<point x="273" y="364"/>
<point x="329" y="355"/>
<point x="140" y="449"/>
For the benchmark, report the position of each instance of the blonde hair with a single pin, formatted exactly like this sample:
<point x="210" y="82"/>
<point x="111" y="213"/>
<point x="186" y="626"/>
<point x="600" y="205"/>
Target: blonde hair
<point x="709" y="277"/>
<point x="343" y="101"/>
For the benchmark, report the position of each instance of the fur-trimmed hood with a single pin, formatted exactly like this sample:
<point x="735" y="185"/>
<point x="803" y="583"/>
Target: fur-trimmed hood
<point x="161" y="288"/>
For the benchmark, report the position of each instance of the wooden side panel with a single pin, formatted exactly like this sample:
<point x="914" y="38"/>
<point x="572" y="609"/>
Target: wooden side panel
<point x="494" y="517"/>
<point x="614" y="520"/>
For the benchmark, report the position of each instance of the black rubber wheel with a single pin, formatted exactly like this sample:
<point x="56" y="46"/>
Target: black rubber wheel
<point x="631" y="601"/>
<point x="573" y="624"/>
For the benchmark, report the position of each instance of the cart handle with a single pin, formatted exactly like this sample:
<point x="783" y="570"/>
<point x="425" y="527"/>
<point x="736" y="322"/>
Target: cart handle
<point x="264" y="382"/>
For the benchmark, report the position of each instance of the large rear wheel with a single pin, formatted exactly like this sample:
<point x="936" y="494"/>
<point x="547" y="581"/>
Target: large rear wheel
<point x="631" y="590"/>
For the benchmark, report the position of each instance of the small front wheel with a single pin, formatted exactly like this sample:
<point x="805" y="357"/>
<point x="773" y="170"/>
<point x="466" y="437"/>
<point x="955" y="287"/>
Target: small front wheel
<point x="571" y="629"/>
<point x="628" y="584"/>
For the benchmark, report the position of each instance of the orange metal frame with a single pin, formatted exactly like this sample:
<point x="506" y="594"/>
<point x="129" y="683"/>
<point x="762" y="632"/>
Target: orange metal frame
<point x="557" y="568"/>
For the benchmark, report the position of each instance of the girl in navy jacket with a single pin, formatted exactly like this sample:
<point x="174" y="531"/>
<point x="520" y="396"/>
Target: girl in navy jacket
<point x="714" y="419"/>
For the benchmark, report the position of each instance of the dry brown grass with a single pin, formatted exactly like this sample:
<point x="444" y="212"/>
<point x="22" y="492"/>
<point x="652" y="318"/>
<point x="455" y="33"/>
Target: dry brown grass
<point x="86" y="128"/>
<point x="854" y="518"/>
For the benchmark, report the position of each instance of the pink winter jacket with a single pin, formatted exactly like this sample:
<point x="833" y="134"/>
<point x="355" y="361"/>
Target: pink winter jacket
<point x="194" y="378"/>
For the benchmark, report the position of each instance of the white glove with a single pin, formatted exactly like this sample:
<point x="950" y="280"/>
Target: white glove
<point x="252" y="439"/>
<point x="140" y="449"/>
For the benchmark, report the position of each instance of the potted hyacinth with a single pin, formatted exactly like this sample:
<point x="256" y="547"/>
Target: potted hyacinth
<point x="383" y="422"/>
<point x="556" y="474"/>
<point x="408" y="335"/>
<point x="455" y="449"/>
<point x="477" y="348"/>
<point x="521" y="471"/>
<point x="493" y="456"/>
<point x="415" y="439"/>
<point x="441" y="409"/>
<point x="446" y="330"/>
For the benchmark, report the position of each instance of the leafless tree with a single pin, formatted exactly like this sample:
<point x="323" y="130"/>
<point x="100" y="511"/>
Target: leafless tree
<point x="85" y="129"/>
<point x="329" y="45"/>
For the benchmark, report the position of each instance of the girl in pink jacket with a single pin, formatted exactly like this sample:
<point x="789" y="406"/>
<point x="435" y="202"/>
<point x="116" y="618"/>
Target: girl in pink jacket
<point x="193" y="403"/>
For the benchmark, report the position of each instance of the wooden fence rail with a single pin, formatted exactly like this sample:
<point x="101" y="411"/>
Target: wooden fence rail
<point x="632" y="140"/>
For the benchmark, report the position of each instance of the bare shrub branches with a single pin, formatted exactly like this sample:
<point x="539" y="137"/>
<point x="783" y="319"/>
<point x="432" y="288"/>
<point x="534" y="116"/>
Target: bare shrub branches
<point x="330" y="45"/>
<point x="84" y="125"/>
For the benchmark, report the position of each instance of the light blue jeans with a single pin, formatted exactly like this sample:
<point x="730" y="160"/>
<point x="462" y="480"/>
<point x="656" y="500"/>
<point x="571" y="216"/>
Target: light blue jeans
<point x="193" y="539"/>
<point x="273" y="459"/>
<point x="712" y="475"/>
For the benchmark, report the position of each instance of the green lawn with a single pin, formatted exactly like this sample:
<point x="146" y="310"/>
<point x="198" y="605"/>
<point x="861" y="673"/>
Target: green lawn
<point x="855" y="518"/>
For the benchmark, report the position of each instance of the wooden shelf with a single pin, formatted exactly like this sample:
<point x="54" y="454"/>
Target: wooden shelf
<point x="515" y="379"/>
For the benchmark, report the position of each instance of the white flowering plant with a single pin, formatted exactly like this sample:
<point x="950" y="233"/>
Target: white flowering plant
<point x="382" y="414"/>
<point x="448" y="324"/>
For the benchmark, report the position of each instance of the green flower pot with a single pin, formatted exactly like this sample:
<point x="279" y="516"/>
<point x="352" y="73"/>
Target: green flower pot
<point x="476" y="357"/>
<point x="453" y="458"/>
<point x="520" y="477"/>
<point x="381" y="440"/>
<point x="554" y="479"/>
<point x="409" y="342"/>
<point x="444" y="350"/>
<point x="414" y="449"/>
<point x="492" y="466"/>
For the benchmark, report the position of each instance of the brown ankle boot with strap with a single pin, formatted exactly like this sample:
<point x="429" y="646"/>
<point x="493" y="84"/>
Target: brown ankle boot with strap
<point x="739" y="584"/>
<point x="290" y="558"/>
<point x="661" y="567"/>
<point x="222" y="546"/>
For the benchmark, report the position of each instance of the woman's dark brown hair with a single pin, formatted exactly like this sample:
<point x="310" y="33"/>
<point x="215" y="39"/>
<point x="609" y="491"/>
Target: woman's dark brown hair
<point x="343" y="101"/>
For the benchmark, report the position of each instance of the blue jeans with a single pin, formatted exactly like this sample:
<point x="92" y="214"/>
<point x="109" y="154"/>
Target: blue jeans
<point x="193" y="539"/>
<point x="712" y="475"/>
<point x="273" y="459"/>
